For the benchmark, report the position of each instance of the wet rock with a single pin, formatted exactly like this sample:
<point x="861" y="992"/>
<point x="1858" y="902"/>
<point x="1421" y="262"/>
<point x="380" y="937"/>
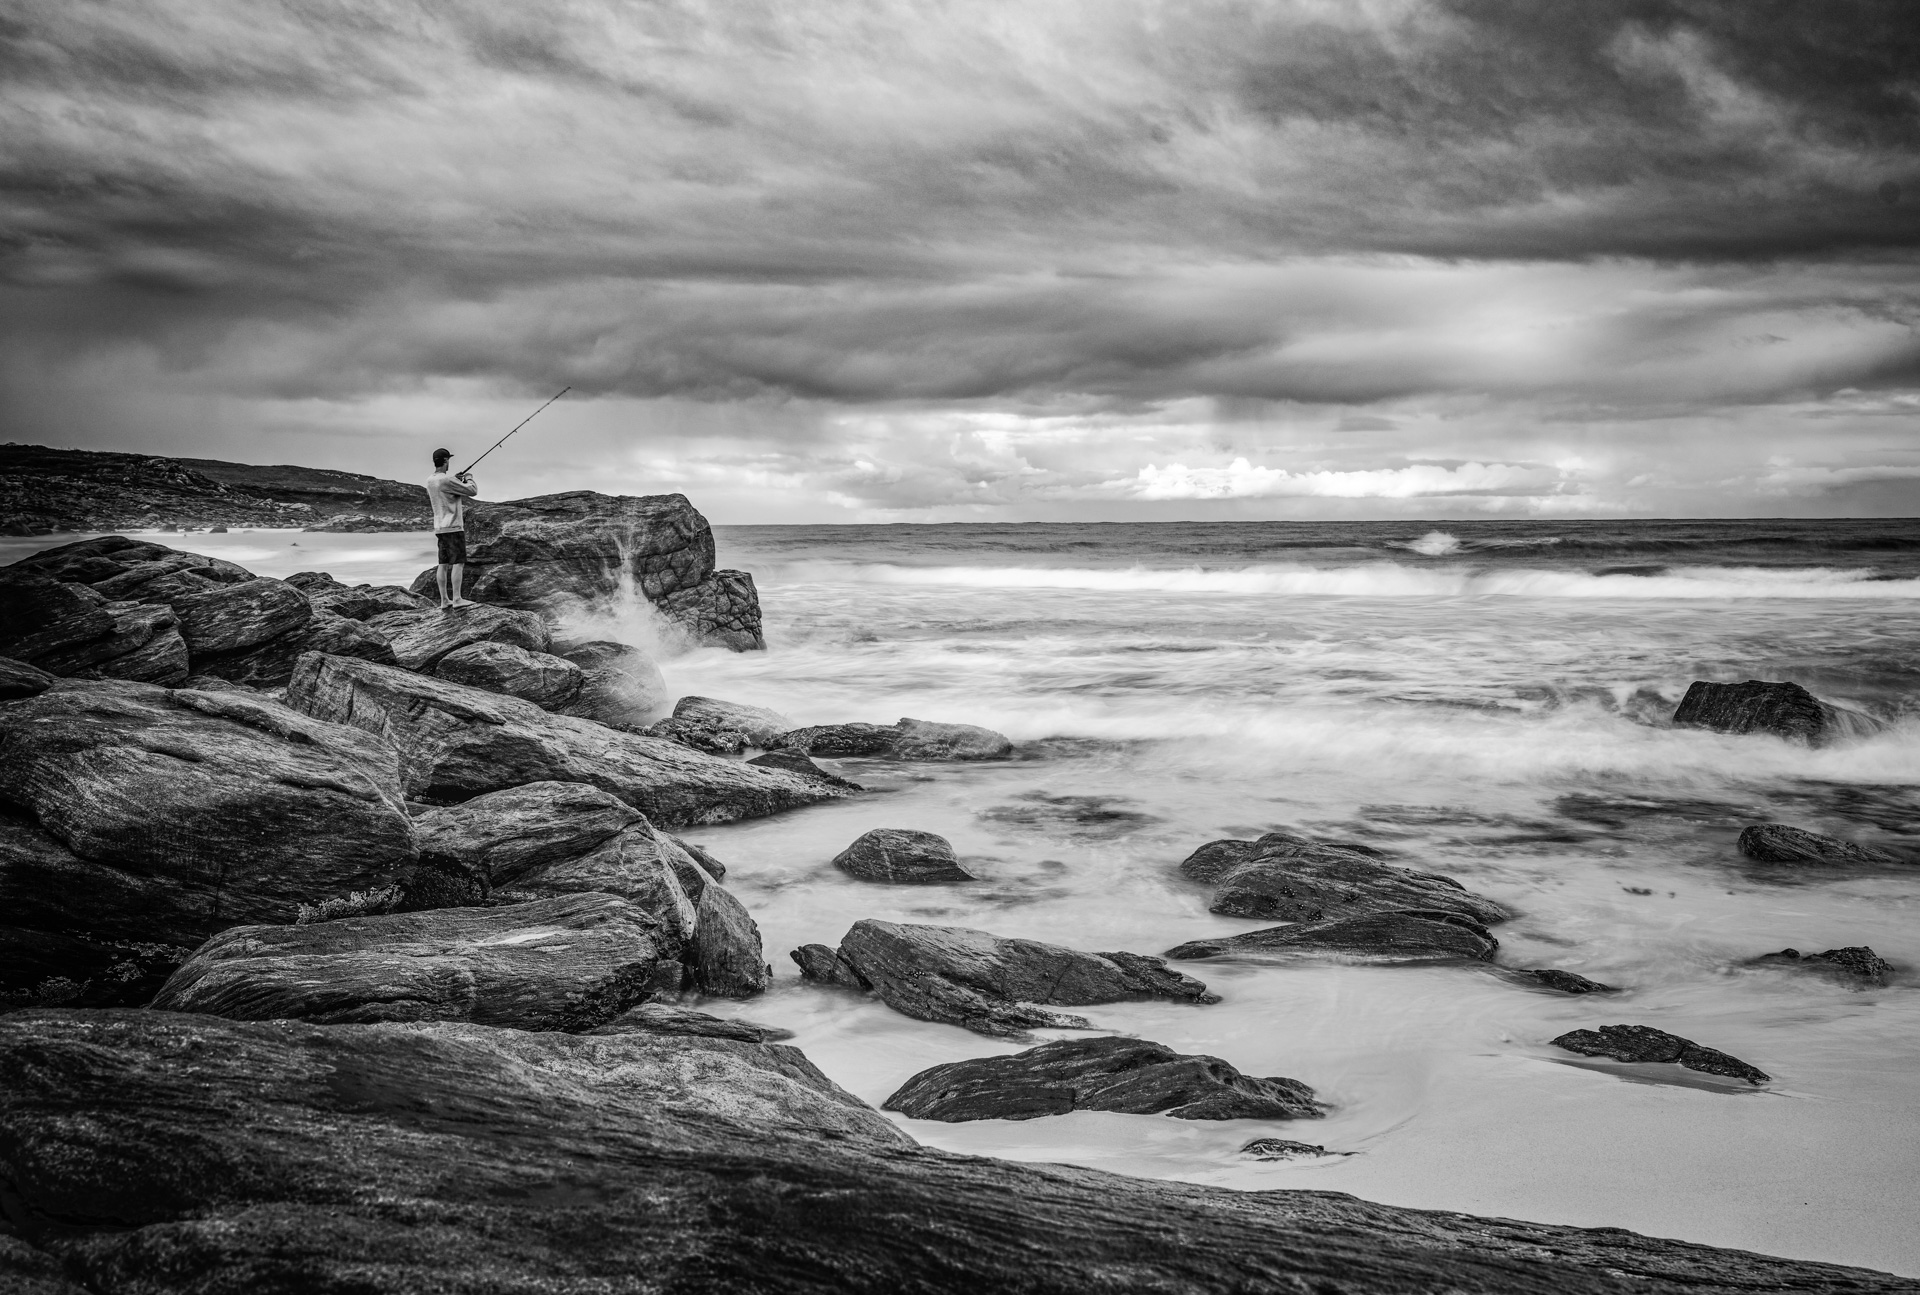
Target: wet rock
<point x="725" y="955"/>
<point x="1406" y="936"/>
<point x="457" y="742"/>
<point x="659" y="1018"/>
<point x="548" y="681"/>
<point x="794" y="762"/>
<point x="1757" y="706"/>
<point x="283" y="1156"/>
<point x="900" y="856"/>
<point x="723" y="609"/>
<point x="1132" y="1076"/>
<point x="1856" y="961"/>
<point x="1778" y="843"/>
<point x="1565" y="981"/>
<point x="522" y="831"/>
<point x="985" y="983"/>
<point x="356" y="602"/>
<point x="234" y="617"/>
<point x="620" y="685"/>
<point x="271" y="664"/>
<point x="568" y="963"/>
<point x="421" y="638"/>
<point x="1644" y="1043"/>
<point x="823" y="965"/>
<point x="144" y="645"/>
<point x="723" y="727"/>
<point x="40" y="615"/>
<point x="173" y="814"/>
<point x="18" y="679"/>
<point x="840" y="740"/>
<point x="921" y="739"/>
<point x="1283" y="1149"/>
<point x="1293" y="879"/>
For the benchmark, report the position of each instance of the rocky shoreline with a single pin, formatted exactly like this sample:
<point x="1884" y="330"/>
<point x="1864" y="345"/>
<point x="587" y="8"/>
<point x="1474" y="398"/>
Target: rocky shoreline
<point x="346" y="943"/>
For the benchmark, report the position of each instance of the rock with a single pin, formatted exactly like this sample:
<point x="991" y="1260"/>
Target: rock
<point x="1564" y="981"/>
<point x="984" y="982"/>
<point x="64" y="969"/>
<point x="276" y="1157"/>
<point x="357" y="602"/>
<point x="725" y="954"/>
<point x="40" y="615"/>
<point x="568" y="963"/>
<point x="121" y="564"/>
<point x="708" y="864"/>
<point x="548" y="681"/>
<point x="178" y="813"/>
<point x="840" y="740"/>
<point x="1292" y="879"/>
<point x="1282" y="1149"/>
<point x="1133" y="1076"/>
<point x="143" y="645"/>
<point x="421" y="638"/>
<point x="457" y="742"/>
<point x="1644" y="1043"/>
<point x="658" y="1018"/>
<point x="921" y="739"/>
<point x="239" y="616"/>
<point x="723" y="727"/>
<point x="1756" y="706"/>
<point x="18" y="679"/>
<point x="271" y="664"/>
<point x="1405" y="936"/>
<point x="520" y="832"/>
<point x="901" y="856"/>
<point x="723" y="609"/>
<point x="620" y="686"/>
<point x="824" y="965"/>
<point x="794" y="762"/>
<point x="1856" y="961"/>
<point x="1778" y="843"/>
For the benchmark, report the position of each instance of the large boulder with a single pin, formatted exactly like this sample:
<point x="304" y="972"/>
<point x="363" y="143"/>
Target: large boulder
<point x="1758" y="706"/>
<point x="1133" y="1076"/>
<point x="65" y="628"/>
<point x="901" y="856"/>
<point x="119" y="566"/>
<point x="723" y="609"/>
<point x="240" y="616"/>
<point x="725" y="956"/>
<point x="421" y="638"/>
<point x="1430" y="936"/>
<point x="620" y="685"/>
<point x="174" y="1154"/>
<point x="546" y="680"/>
<point x="144" y="645"/>
<point x="985" y="982"/>
<point x="1289" y="878"/>
<point x="270" y="665"/>
<point x="908" y="739"/>
<point x="723" y="727"/>
<point x="355" y="602"/>
<point x="457" y="742"/>
<point x="568" y="963"/>
<point x="1643" y="1043"/>
<point x="1778" y="843"/>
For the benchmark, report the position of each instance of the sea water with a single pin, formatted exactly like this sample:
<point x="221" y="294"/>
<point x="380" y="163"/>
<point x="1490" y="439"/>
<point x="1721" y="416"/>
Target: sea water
<point x="1489" y="701"/>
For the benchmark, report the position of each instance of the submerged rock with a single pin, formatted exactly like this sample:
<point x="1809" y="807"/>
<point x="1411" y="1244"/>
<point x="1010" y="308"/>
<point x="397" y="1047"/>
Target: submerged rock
<point x="659" y="1018"/>
<point x="546" y="680"/>
<point x="1757" y="706"/>
<point x="909" y="739"/>
<point x="1778" y="843"/>
<point x="1565" y="981"/>
<point x="985" y="982"/>
<point x="68" y="629"/>
<point x="569" y="963"/>
<point x="901" y="856"/>
<point x="1644" y="1043"/>
<point x="723" y="727"/>
<point x="1132" y="1076"/>
<point x="1404" y="936"/>
<point x="1293" y="879"/>
<point x="1283" y="1149"/>
<point x="1856" y="961"/>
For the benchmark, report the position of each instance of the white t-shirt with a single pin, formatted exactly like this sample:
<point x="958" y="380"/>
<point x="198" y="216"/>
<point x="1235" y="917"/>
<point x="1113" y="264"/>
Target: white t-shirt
<point x="448" y="495"/>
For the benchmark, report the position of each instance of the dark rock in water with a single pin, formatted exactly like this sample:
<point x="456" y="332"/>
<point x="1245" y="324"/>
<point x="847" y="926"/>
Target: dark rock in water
<point x="1644" y="1043"/>
<point x="700" y="855"/>
<point x="548" y="681"/>
<point x="1565" y="981"/>
<point x="1778" y="843"/>
<point x="569" y="963"/>
<point x="901" y="856"/>
<point x="823" y="965"/>
<point x="840" y="740"/>
<point x="723" y="609"/>
<point x="658" y="1018"/>
<point x="1856" y="960"/>
<point x="18" y="679"/>
<point x="1297" y="880"/>
<point x="173" y="814"/>
<point x="421" y="638"/>
<point x="1132" y="1076"/>
<point x="794" y="762"/>
<point x="235" y="617"/>
<point x="1283" y="1149"/>
<point x="457" y="742"/>
<point x="271" y="664"/>
<point x="364" y="602"/>
<point x="620" y="685"/>
<point x="1756" y="706"/>
<point x="921" y="739"/>
<point x="984" y="982"/>
<point x="725" y="955"/>
<point x="723" y="727"/>
<point x="278" y="1157"/>
<point x="1405" y="936"/>
<point x="522" y="831"/>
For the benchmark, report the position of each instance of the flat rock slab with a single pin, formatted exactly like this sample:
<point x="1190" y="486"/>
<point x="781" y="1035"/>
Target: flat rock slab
<point x="457" y="742"/>
<point x="1410" y="936"/>
<point x="1133" y="1076"/>
<point x="546" y="680"/>
<point x="909" y="739"/>
<point x="281" y="1157"/>
<point x="569" y="963"/>
<point x="722" y="727"/>
<point x="1778" y="843"/>
<point x="901" y="856"/>
<point x="986" y="983"/>
<point x="660" y="1018"/>
<point x="1855" y="962"/>
<point x="421" y="638"/>
<point x="1758" y="706"/>
<point x="1644" y="1043"/>
<point x="1289" y="878"/>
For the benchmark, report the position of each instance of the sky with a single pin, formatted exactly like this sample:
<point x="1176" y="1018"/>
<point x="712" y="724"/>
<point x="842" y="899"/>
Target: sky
<point x="908" y="260"/>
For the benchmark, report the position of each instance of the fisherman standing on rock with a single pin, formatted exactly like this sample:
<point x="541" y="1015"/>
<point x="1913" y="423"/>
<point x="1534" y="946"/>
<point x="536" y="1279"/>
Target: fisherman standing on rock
<point x="448" y="492"/>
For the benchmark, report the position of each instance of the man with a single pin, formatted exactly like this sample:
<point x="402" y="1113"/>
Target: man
<point x="448" y="492"/>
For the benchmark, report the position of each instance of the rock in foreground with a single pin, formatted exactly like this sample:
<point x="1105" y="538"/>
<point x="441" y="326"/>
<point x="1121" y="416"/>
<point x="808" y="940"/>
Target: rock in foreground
<point x="1379" y="937"/>
<point x="177" y="1155"/>
<point x="1758" y="706"/>
<point x="1778" y="843"/>
<point x="1132" y="1076"/>
<point x="984" y="982"/>
<point x="1644" y="1043"/>
<point x="723" y="727"/>
<point x="900" y="856"/>
<point x="1289" y="878"/>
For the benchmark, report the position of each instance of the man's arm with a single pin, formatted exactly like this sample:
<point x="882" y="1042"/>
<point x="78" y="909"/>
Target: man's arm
<point x="460" y="486"/>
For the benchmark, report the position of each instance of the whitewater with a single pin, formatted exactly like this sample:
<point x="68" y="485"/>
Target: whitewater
<point x="1484" y="700"/>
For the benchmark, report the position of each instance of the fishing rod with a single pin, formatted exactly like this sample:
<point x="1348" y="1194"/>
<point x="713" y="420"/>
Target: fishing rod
<point x="516" y="427"/>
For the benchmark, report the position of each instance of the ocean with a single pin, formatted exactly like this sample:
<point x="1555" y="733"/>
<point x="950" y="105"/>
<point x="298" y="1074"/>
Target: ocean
<point x="1485" y="700"/>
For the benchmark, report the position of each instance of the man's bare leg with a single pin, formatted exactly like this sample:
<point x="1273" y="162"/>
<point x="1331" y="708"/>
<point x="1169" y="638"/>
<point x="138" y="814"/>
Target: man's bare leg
<point x="440" y="575"/>
<point x="459" y="570"/>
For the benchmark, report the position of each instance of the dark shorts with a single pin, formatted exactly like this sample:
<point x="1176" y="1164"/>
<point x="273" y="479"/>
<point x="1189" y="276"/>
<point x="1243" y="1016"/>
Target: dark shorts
<point x="453" y="547"/>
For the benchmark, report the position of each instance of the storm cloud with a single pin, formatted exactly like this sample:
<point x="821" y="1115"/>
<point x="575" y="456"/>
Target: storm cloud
<point x="996" y="259"/>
